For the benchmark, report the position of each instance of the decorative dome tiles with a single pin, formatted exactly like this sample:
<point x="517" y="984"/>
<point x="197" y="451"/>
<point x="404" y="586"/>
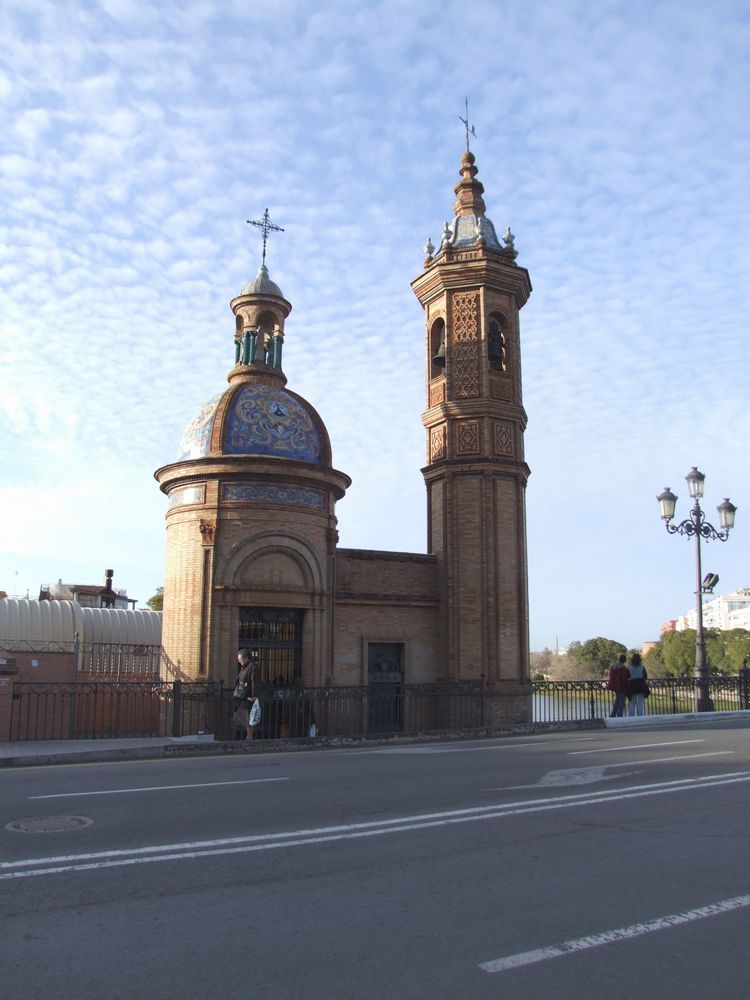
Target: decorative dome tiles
<point x="266" y="420"/>
<point x="261" y="284"/>
<point x="197" y="437"/>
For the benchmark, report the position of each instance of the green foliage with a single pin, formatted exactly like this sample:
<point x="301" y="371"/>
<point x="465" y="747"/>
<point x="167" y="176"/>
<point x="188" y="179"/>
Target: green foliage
<point x="674" y="654"/>
<point x="725" y="651"/>
<point x="653" y="662"/>
<point x="596" y="656"/>
<point x="678" y="653"/>
<point x="156" y="603"/>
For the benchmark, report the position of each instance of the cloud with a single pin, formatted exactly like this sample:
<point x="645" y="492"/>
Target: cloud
<point x="140" y="139"/>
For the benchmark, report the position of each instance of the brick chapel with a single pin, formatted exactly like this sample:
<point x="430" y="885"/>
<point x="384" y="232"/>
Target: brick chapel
<point x="252" y="554"/>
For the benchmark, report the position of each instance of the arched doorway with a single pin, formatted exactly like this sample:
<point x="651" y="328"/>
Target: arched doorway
<point x="276" y="634"/>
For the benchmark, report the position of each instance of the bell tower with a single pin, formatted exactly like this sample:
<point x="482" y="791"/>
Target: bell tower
<point x="471" y="291"/>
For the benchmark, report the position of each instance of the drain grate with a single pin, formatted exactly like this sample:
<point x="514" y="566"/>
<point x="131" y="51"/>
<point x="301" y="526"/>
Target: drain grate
<point x="48" y="824"/>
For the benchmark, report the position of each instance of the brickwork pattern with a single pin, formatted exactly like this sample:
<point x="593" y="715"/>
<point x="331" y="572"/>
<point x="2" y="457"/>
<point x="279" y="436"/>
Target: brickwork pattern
<point x="503" y="439"/>
<point x="437" y="443"/>
<point x="437" y="392"/>
<point x="468" y="572"/>
<point x="467" y="437"/>
<point x="466" y="347"/>
<point x="416" y="627"/>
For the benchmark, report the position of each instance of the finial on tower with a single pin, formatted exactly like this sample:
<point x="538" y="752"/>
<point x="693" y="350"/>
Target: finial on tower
<point x="266" y="226"/>
<point x="469" y="128"/>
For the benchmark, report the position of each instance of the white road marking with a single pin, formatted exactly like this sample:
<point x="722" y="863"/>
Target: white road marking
<point x="350" y="831"/>
<point x="636" y="746"/>
<point x="590" y="775"/>
<point x="609" y="937"/>
<point x="156" y="788"/>
<point x="450" y="748"/>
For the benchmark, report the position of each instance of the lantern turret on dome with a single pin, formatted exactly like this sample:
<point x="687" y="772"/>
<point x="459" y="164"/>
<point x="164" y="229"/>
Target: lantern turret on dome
<point x="260" y="311"/>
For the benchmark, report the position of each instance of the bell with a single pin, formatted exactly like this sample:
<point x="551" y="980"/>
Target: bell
<point x="495" y="350"/>
<point x="439" y="359"/>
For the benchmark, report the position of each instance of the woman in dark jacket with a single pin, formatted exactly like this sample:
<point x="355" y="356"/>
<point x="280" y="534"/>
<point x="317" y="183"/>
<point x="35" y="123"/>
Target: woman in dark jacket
<point x="244" y="690"/>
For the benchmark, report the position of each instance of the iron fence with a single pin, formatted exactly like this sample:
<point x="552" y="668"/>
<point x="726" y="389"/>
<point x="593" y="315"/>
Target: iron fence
<point x="376" y="709"/>
<point x="120" y="660"/>
<point x="564" y="701"/>
<point x="111" y="709"/>
<point x="89" y="709"/>
<point x="117" y="708"/>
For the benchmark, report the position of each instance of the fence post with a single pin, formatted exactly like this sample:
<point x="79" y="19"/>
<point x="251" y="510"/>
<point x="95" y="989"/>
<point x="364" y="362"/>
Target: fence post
<point x="73" y="708"/>
<point x="744" y="675"/>
<point x="218" y="726"/>
<point x="177" y="708"/>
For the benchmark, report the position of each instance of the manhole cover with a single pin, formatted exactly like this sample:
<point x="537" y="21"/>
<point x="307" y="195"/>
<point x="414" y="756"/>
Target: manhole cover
<point x="49" y="824"/>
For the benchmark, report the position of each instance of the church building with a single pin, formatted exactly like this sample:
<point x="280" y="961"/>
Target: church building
<point x="252" y="542"/>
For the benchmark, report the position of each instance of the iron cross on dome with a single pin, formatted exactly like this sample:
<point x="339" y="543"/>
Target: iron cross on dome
<point x="469" y="128"/>
<point x="266" y="226"/>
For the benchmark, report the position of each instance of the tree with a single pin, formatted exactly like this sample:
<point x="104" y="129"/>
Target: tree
<point x="674" y="654"/>
<point x="156" y="603"/>
<point x="596" y="656"/>
<point x="562" y="667"/>
<point x="678" y="653"/>
<point x="542" y="664"/>
<point x="653" y="661"/>
<point x="725" y="651"/>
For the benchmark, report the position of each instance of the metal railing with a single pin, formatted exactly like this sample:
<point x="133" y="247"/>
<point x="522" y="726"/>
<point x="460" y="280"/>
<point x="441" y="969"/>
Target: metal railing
<point x="377" y="709"/>
<point x="110" y="709"/>
<point x="90" y="709"/>
<point x="564" y="701"/>
<point x="120" y="708"/>
<point x="115" y="660"/>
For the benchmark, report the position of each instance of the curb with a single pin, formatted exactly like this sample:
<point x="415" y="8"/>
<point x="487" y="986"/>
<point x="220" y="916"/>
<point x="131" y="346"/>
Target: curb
<point x="218" y="748"/>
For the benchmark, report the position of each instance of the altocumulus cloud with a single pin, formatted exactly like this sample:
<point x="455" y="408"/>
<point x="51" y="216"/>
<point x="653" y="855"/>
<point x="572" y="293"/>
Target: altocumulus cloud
<point x="138" y="139"/>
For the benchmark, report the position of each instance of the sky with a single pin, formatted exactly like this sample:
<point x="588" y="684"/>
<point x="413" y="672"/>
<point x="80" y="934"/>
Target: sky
<point x="137" y="138"/>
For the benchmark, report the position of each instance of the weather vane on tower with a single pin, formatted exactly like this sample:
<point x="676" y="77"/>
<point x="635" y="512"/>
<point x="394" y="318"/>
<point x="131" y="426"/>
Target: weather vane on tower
<point x="469" y="128"/>
<point x="266" y="226"/>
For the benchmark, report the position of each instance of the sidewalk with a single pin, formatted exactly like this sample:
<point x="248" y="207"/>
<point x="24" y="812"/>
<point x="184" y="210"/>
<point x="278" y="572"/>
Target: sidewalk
<point x="654" y="720"/>
<point x="37" y="753"/>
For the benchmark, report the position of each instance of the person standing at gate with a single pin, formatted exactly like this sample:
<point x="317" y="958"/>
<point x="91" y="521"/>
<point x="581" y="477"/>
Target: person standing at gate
<point x="637" y="685"/>
<point x="244" y="689"/>
<point x="618" y="683"/>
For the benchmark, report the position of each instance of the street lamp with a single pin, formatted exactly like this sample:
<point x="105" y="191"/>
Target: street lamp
<point x="698" y="526"/>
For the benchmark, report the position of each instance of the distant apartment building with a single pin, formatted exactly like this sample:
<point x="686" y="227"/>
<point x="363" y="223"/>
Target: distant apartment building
<point x="723" y="613"/>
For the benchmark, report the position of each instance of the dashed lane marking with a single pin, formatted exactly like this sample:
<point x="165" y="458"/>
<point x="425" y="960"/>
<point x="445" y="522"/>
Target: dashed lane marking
<point x="350" y="831"/>
<point x="610" y="937"/>
<point x="156" y="788"/>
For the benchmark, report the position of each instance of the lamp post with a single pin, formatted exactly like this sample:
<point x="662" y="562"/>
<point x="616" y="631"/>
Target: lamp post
<point x="697" y="526"/>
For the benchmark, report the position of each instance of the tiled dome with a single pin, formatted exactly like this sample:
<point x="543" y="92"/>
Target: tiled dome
<point x="270" y="420"/>
<point x="259" y="419"/>
<point x="196" y="440"/>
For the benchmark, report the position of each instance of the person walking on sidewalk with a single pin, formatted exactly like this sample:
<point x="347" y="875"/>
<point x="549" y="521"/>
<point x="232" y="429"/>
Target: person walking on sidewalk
<point x="244" y="690"/>
<point x="618" y="683"/>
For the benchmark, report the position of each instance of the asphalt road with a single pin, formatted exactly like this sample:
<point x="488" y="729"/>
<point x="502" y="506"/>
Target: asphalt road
<point x="601" y="864"/>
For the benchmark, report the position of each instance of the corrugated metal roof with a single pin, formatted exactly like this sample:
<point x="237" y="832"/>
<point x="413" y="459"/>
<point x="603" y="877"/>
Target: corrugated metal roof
<point x="120" y="625"/>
